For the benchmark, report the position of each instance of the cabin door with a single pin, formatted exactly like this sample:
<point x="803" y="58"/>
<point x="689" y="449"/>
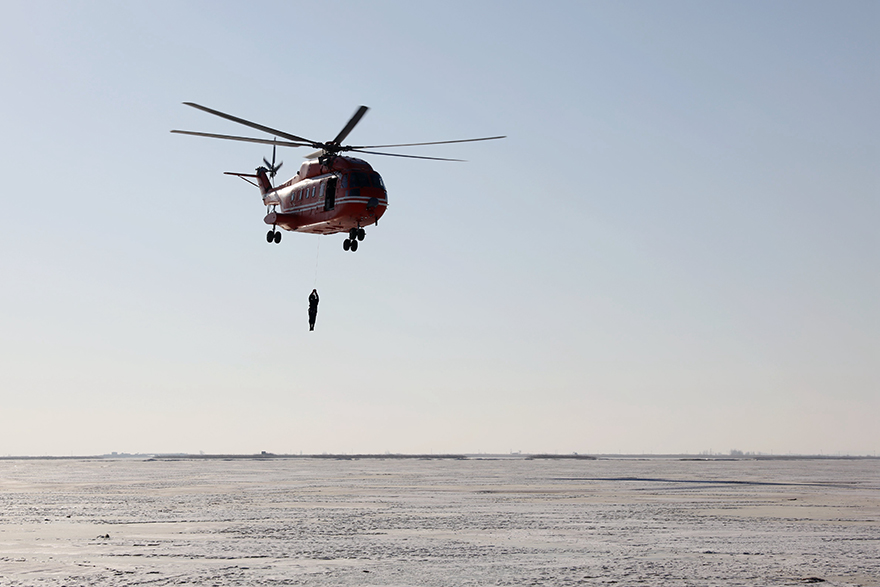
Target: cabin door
<point x="330" y="194"/>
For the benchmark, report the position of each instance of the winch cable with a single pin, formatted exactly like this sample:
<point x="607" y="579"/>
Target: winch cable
<point x="315" y="285"/>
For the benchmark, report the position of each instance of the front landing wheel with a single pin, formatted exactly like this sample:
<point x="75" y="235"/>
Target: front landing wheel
<point x="277" y="237"/>
<point x="270" y="236"/>
<point x="346" y="244"/>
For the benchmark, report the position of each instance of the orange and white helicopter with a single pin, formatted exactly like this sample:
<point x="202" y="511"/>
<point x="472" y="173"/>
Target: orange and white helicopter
<point x="330" y="193"/>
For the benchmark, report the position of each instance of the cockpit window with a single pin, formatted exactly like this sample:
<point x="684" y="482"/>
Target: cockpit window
<point x="358" y="179"/>
<point x="376" y="181"/>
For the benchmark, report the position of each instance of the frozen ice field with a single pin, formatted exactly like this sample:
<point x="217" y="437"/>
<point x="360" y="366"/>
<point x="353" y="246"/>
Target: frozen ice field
<point x="439" y="522"/>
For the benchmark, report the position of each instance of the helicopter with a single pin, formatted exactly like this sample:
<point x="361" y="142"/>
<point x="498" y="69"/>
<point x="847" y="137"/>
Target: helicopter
<point x="331" y="192"/>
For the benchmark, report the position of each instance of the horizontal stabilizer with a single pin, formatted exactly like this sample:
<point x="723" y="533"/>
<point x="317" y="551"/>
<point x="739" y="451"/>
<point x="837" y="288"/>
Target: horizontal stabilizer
<point x="244" y="176"/>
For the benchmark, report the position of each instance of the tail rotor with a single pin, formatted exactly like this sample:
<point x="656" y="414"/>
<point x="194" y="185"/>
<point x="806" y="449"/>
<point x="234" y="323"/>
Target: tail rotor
<point x="271" y="168"/>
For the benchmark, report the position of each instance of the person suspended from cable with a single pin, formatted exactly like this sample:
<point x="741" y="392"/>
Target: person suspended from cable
<point x="313" y="308"/>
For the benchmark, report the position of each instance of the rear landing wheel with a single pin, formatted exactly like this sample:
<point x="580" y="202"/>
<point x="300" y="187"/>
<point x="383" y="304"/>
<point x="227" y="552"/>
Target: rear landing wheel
<point x="270" y="236"/>
<point x="277" y="237"/>
<point x="346" y="244"/>
<point x="361" y="234"/>
<point x="354" y="246"/>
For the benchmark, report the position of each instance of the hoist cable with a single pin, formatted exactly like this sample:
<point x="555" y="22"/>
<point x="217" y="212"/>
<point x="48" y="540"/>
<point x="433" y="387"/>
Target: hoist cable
<point x="315" y="285"/>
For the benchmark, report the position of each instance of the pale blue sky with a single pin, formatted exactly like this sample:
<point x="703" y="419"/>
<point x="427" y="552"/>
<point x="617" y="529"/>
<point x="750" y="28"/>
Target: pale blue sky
<point x="674" y="250"/>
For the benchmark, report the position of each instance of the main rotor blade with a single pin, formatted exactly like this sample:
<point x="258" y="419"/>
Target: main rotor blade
<point x="245" y="139"/>
<point x="433" y="143"/>
<point x="351" y="124"/>
<point x="251" y="124"/>
<point x="407" y="156"/>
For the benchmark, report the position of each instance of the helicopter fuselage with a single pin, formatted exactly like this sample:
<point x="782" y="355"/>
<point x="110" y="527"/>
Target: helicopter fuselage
<point x="326" y="197"/>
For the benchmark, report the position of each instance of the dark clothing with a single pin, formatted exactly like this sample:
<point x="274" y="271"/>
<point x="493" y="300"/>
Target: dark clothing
<point x="313" y="309"/>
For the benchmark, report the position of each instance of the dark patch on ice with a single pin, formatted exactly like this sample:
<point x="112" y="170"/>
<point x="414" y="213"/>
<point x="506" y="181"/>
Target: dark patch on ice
<point x="574" y="456"/>
<point x="698" y="481"/>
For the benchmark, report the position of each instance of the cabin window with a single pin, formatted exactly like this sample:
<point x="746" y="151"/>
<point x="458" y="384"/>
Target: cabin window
<point x="344" y="181"/>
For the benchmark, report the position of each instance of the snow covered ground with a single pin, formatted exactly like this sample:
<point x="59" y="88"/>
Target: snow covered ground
<point x="439" y="522"/>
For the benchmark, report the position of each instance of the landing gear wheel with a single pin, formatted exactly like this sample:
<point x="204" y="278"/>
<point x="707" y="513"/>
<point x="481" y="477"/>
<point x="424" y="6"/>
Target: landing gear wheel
<point x="277" y="237"/>
<point x="361" y="234"/>
<point x="352" y="234"/>
<point x="346" y="244"/>
<point x="270" y="236"/>
<point x="354" y="246"/>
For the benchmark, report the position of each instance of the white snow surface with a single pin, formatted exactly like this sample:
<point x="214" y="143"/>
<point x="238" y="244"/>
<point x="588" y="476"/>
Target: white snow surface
<point x="439" y="522"/>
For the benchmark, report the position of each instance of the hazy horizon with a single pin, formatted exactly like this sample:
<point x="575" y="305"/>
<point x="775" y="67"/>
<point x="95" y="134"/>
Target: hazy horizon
<point x="563" y="455"/>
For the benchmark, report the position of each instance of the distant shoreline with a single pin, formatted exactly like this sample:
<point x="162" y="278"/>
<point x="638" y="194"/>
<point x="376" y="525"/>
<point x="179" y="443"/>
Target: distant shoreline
<point x="459" y="457"/>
